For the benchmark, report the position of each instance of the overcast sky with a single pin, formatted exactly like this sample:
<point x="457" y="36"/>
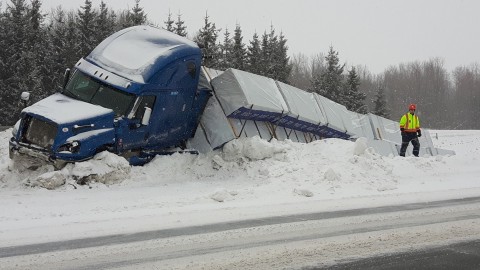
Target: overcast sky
<point x="375" y="33"/>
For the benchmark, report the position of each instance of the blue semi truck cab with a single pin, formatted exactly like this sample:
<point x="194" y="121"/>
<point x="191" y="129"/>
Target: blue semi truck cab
<point x="136" y="93"/>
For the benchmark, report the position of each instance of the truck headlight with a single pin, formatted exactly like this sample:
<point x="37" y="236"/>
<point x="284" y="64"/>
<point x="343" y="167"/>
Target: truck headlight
<point x="71" y="147"/>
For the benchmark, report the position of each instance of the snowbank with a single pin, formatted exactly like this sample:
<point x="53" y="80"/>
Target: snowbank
<point x="250" y="178"/>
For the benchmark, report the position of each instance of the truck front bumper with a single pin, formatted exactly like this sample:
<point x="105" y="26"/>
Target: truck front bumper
<point x="32" y="155"/>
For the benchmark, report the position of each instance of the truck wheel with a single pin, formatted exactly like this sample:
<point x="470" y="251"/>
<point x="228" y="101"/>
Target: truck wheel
<point x="104" y="148"/>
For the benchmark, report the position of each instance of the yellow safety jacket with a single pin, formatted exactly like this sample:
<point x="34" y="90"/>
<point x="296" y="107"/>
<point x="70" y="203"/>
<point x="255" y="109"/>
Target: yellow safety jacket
<point x="410" y="123"/>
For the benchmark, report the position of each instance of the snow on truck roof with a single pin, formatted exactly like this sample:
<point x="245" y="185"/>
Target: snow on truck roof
<point x="137" y="52"/>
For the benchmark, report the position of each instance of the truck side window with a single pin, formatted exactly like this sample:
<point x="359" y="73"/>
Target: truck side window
<point x="147" y="101"/>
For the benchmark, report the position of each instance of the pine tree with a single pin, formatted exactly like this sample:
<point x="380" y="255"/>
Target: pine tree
<point x="13" y="36"/>
<point x="3" y="44"/>
<point x="207" y="39"/>
<point x="282" y="66"/>
<point x="269" y="57"/>
<point x="57" y="35"/>
<point x="180" y="27"/>
<point x="169" y="23"/>
<point x="86" y="24"/>
<point x="380" y="103"/>
<point x="269" y="43"/>
<point x="73" y="50"/>
<point x="39" y="46"/>
<point x="104" y="23"/>
<point x="21" y="55"/>
<point x="226" y="49"/>
<point x="136" y="16"/>
<point x="36" y="18"/>
<point x="63" y="36"/>
<point x="329" y="83"/>
<point x="354" y="99"/>
<point x="3" y="64"/>
<point x="254" y="53"/>
<point x="239" y="53"/>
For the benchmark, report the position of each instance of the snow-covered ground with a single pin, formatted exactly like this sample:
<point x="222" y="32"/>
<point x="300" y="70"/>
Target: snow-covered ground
<point x="249" y="179"/>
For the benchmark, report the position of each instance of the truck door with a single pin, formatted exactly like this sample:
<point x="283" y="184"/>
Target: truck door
<point x="136" y="135"/>
<point x="163" y="120"/>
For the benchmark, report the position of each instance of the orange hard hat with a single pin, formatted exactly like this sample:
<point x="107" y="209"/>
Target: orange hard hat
<point x="412" y="107"/>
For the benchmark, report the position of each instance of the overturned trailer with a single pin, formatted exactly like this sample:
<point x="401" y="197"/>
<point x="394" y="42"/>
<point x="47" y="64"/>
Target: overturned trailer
<point x="247" y="105"/>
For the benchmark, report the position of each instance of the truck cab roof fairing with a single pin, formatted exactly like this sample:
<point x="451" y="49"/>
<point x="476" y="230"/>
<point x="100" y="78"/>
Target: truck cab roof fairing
<point x="120" y="53"/>
<point x="107" y="77"/>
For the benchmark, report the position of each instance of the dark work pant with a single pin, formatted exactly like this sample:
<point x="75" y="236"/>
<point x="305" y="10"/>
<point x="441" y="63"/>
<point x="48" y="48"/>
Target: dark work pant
<point x="406" y="139"/>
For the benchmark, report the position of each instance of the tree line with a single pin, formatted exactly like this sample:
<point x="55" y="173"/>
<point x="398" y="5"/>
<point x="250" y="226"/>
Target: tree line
<point x="445" y="100"/>
<point x="38" y="46"/>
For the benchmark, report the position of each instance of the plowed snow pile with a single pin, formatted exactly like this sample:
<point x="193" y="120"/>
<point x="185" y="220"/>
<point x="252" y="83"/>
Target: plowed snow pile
<point x="249" y="178"/>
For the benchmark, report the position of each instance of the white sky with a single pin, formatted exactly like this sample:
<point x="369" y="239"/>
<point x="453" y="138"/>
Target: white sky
<point x="375" y="33"/>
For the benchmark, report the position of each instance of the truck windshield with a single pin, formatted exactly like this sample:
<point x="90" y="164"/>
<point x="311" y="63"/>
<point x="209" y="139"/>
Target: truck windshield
<point x="83" y="87"/>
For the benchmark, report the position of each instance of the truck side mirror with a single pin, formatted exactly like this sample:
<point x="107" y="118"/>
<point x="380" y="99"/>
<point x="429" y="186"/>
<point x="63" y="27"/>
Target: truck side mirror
<point x="66" y="76"/>
<point x="146" y="116"/>
<point x="24" y="98"/>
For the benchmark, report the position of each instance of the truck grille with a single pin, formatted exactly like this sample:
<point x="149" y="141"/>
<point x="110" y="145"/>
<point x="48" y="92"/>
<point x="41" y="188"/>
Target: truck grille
<point x="39" y="133"/>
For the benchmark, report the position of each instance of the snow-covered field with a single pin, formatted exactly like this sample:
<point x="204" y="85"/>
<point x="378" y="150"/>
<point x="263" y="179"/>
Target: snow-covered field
<point x="249" y="179"/>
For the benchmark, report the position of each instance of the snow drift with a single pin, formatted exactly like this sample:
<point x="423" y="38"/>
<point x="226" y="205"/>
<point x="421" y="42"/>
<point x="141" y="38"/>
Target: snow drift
<point x="250" y="178"/>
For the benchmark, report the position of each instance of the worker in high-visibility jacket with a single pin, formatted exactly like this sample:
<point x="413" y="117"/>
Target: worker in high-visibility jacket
<point x="410" y="130"/>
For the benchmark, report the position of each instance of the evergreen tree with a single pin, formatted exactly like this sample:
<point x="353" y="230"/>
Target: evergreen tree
<point x="269" y="42"/>
<point x="268" y="57"/>
<point x="104" y="23"/>
<point x="254" y="53"/>
<point x="207" y="39"/>
<point x="3" y="44"/>
<point x="239" y="53"/>
<point x="21" y="71"/>
<point x="180" y="27"/>
<point x="3" y="64"/>
<point x="226" y="49"/>
<point x="39" y="46"/>
<point x="13" y="28"/>
<point x="329" y="83"/>
<point x="86" y="25"/>
<point x="282" y="66"/>
<point x="380" y="103"/>
<point x="35" y="16"/>
<point x="169" y="23"/>
<point x="58" y="45"/>
<point x="72" y="49"/>
<point x="354" y="99"/>
<point x="136" y="16"/>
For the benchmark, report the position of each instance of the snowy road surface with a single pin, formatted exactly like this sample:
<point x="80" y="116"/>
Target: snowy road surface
<point x="307" y="240"/>
<point x="463" y="255"/>
<point x="122" y="216"/>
